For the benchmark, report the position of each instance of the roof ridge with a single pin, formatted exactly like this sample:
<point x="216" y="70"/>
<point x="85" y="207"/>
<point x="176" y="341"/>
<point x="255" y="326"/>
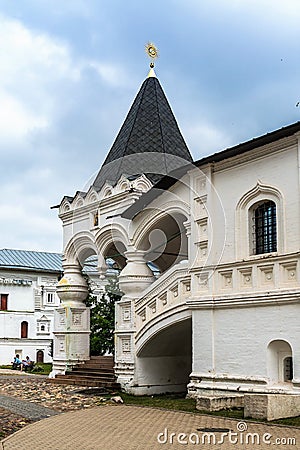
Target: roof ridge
<point x="30" y="251"/>
<point x="161" y="132"/>
<point x="142" y="91"/>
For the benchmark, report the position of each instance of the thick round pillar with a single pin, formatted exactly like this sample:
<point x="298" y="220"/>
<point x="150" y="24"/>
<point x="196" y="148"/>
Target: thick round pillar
<point x="71" y="321"/>
<point x="133" y="280"/>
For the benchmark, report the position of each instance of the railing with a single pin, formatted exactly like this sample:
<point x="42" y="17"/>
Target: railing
<point x="168" y="291"/>
<point x="260" y="279"/>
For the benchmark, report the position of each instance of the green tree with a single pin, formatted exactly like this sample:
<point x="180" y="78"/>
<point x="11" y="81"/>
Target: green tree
<point x="103" y="318"/>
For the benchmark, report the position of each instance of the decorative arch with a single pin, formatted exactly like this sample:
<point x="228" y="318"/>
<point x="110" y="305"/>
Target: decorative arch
<point x="112" y="242"/>
<point x="154" y="328"/>
<point x="162" y="235"/>
<point x="122" y="185"/>
<point x="108" y="234"/>
<point x="154" y="215"/>
<point x="280" y="361"/>
<point x="142" y="183"/>
<point x="244" y="210"/>
<point x="106" y="191"/>
<point x="80" y="247"/>
<point x="164" y="360"/>
<point x="92" y="195"/>
<point x="64" y="207"/>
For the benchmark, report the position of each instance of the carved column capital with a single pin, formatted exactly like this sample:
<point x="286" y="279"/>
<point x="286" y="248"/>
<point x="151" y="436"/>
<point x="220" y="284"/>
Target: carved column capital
<point x="72" y="289"/>
<point x="136" y="275"/>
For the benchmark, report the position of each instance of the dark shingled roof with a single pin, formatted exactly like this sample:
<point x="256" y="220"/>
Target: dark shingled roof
<point x="149" y="140"/>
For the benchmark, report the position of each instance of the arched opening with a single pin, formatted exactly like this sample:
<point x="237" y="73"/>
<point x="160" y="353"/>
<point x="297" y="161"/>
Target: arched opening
<point x="280" y="361"/>
<point x="103" y="292"/>
<point x="40" y="356"/>
<point x="24" y="330"/>
<point x="114" y="256"/>
<point x="166" y="242"/>
<point x="165" y="362"/>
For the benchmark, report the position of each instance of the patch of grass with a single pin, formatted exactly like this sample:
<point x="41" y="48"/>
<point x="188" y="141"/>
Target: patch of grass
<point x="291" y="421"/>
<point x="167" y="401"/>
<point x="180" y="403"/>
<point x="39" y="368"/>
<point x="42" y="368"/>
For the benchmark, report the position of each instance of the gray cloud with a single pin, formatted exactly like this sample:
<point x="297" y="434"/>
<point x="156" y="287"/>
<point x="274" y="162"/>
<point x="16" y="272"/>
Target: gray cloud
<point x="70" y="70"/>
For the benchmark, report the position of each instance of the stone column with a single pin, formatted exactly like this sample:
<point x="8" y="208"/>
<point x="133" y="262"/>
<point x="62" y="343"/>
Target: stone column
<point x="71" y="321"/>
<point x="133" y="280"/>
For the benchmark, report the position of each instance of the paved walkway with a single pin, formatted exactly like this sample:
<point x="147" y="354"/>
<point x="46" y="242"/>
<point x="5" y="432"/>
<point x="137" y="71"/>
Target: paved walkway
<point x="26" y="409"/>
<point x="123" y="427"/>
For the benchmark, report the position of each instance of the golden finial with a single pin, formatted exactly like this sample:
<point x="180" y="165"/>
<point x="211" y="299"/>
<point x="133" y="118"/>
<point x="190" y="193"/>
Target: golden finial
<point x="152" y="52"/>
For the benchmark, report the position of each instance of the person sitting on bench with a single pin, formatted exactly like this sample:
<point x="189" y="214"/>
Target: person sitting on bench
<point x="27" y="364"/>
<point x="17" y="362"/>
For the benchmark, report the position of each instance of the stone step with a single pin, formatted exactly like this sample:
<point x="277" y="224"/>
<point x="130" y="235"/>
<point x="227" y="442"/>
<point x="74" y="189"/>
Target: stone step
<point x="98" y="371"/>
<point x="91" y="373"/>
<point x="95" y="366"/>
<point x="86" y="374"/>
<point x="102" y="360"/>
<point x="79" y="381"/>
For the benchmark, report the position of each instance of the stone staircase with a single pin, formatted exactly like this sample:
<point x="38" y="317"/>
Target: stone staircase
<point x="97" y="372"/>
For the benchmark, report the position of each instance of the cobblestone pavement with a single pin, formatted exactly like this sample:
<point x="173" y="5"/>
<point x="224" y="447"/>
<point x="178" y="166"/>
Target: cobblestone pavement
<point x="85" y="426"/>
<point x="39" y="390"/>
<point x="137" y="428"/>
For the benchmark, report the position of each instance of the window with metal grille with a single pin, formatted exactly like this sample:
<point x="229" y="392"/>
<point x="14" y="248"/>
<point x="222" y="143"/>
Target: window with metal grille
<point x="50" y="297"/>
<point x="264" y="228"/>
<point x="288" y="368"/>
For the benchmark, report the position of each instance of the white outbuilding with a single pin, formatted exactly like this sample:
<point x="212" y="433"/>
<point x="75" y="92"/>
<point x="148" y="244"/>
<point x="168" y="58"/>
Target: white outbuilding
<point x="28" y="282"/>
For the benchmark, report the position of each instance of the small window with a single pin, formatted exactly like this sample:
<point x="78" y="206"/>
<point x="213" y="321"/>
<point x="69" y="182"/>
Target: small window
<point x="50" y="297"/>
<point x="264" y="228"/>
<point x="96" y="219"/>
<point x="3" y="306"/>
<point x="43" y="327"/>
<point x="288" y="368"/>
<point x="24" y="330"/>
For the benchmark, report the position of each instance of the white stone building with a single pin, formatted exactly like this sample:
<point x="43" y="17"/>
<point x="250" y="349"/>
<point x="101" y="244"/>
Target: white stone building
<point x="28" y="282"/>
<point x="219" y="315"/>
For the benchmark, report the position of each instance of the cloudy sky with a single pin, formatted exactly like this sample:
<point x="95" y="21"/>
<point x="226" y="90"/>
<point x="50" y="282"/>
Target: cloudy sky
<point x="70" y="69"/>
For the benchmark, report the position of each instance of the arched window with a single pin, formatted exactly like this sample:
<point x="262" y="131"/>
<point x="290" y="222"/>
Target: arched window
<point x="24" y="330"/>
<point x="40" y="356"/>
<point x="264" y="227"/>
